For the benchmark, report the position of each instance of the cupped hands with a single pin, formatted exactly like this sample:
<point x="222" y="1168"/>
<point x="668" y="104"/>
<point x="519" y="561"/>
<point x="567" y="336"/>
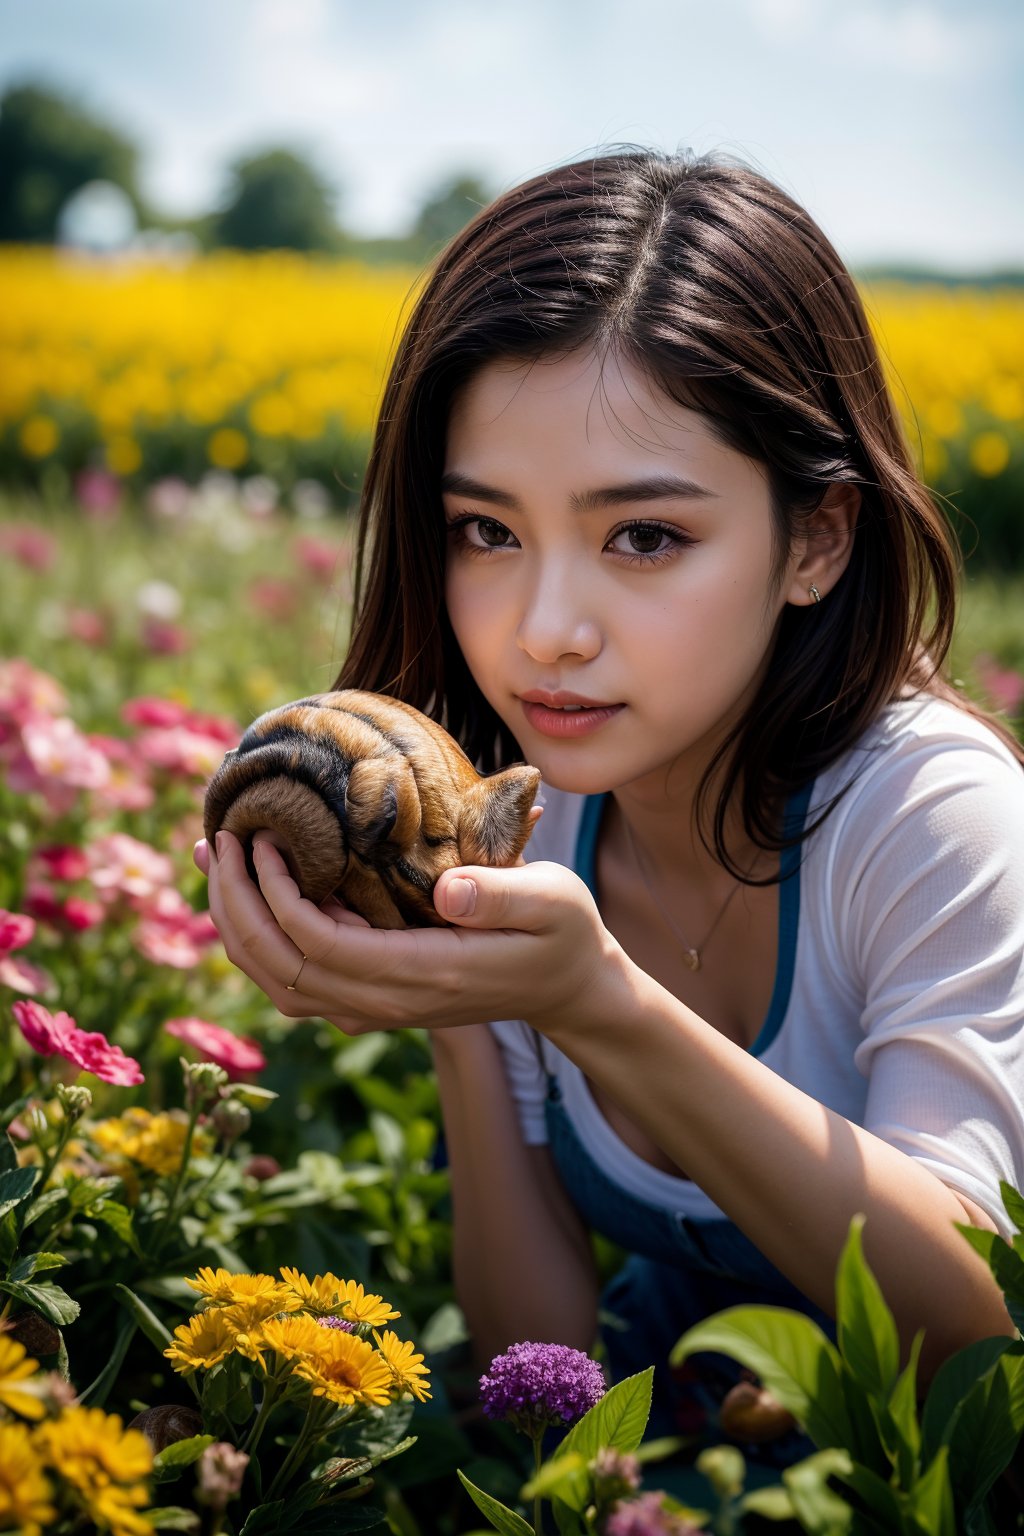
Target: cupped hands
<point x="528" y="943"/>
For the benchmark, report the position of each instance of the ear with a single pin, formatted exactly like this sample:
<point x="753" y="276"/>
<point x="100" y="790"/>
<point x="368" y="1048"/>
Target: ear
<point x="495" y="818"/>
<point x="827" y="546"/>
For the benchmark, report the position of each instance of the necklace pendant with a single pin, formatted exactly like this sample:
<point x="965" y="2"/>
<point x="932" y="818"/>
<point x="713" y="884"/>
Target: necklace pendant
<point x="692" y="959"/>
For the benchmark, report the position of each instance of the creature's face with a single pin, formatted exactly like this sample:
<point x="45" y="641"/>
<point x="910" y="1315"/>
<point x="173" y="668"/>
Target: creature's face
<point x="369" y="800"/>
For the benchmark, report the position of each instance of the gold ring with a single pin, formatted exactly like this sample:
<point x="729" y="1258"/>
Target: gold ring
<point x="298" y="973"/>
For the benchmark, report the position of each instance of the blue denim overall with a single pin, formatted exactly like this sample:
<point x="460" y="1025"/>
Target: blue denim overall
<point x="681" y="1268"/>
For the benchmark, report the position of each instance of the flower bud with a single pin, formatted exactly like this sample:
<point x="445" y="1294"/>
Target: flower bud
<point x="74" y="1101"/>
<point x="260" y="1166"/>
<point x="220" y="1473"/>
<point x="203" y="1082"/>
<point x="749" y="1412"/>
<point x="34" y="1333"/>
<point x="615" y="1474"/>
<point x="231" y="1119"/>
<point x="168" y="1423"/>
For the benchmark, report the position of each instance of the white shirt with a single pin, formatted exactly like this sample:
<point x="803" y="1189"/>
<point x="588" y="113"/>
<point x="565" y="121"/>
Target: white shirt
<point x="905" y="1012"/>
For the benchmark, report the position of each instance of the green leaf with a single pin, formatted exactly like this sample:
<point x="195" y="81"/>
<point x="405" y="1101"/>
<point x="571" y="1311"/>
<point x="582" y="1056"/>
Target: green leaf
<point x="30" y="1264"/>
<point x="931" y="1499"/>
<point x="791" y="1355"/>
<point x="725" y="1469"/>
<point x="16" y="1184"/>
<point x="865" y="1328"/>
<point x="881" y="1500"/>
<point x="769" y="1503"/>
<point x="156" y="1332"/>
<point x="618" y="1419"/>
<point x="96" y="1392"/>
<point x="1013" y="1204"/>
<point x="902" y="1415"/>
<point x="169" y="1463"/>
<point x="43" y="1203"/>
<point x="121" y="1221"/>
<point x="54" y="1304"/>
<point x="565" y="1476"/>
<point x="9" y="1238"/>
<point x="167" y="1517"/>
<point x="820" y="1510"/>
<point x="987" y="1430"/>
<point x="952" y="1383"/>
<point x="13" y="1110"/>
<point x="502" y="1519"/>
<point x="263" y="1520"/>
<point x="1006" y="1265"/>
<point x="327" y="1519"/>
<point x="567" y="1520"/>
<point x="8" y="1154"/>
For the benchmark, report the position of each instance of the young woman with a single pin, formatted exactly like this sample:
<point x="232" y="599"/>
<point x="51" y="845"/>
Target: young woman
<point x="640" y="511"/>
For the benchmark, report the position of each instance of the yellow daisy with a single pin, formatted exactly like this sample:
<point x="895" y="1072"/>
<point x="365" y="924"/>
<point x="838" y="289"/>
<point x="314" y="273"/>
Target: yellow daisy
<point x="405" y="1365"/>
<point x="358" y="1307"/>
<point x="318" y="1295"/>
<point x="24" y="1491"/>
<point x="104" y="1463"/>
<point x="347" y="1370"/>
<point x="15" y="1365"/>
<point x="202" y="1342"/>
<point x="262" y="1294"/>
<point x="292" y="1338"/>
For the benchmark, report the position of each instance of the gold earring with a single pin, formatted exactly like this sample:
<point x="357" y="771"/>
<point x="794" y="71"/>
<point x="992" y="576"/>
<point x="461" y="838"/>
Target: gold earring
<point x="816" y="594"/>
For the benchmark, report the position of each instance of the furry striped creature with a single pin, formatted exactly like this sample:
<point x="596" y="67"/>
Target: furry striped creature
<point x="370" y="801"/>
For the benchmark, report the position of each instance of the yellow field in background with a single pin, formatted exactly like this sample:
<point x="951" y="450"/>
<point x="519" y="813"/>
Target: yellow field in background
<point x="255" y="359"/>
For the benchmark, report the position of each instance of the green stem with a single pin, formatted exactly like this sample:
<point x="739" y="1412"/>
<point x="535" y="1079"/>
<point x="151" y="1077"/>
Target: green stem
<point x="200" y="1189"/>
<point x="298" y="1451"/>
<point x="270" y="1398"/>
<point x="537" y="1514"/>
<point x="186" y="1152"/>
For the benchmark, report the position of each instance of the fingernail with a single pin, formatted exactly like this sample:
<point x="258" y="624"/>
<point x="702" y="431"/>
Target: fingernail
<point x="221" y="843"/>
<point x="460" y="898"/>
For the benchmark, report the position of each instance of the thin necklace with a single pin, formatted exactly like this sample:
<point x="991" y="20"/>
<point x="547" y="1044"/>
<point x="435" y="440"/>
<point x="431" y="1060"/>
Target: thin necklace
<point x="691" y="953"/>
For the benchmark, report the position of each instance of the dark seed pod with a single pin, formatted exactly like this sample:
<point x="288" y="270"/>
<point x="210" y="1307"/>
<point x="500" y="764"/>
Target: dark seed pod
<point x="35" y="1334"/>
<point x="750" y="1412"/>
<point x="168" y="1423"/>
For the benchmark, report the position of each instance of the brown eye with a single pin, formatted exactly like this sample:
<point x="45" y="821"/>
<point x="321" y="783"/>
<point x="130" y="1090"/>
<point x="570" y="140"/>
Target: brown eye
<point x="645" y="539"/>
<point x="493" y="534"/>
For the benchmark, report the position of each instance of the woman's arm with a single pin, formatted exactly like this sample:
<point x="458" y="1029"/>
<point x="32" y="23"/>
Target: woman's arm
<point x="522" y="1261"/>
<point x="788" y="1171"/>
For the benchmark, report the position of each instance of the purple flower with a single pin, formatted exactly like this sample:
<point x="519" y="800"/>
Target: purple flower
<point x="330" y="1321"/>
<point x="536" y="1385"/>
<point x="647" y="1516"/>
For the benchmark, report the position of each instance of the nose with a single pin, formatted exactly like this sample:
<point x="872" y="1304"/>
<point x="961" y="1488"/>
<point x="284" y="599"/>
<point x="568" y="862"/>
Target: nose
<point x="558" y="621"/>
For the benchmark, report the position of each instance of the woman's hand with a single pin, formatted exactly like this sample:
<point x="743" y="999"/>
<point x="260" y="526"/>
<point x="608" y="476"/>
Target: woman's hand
<point x="529" y="944"/>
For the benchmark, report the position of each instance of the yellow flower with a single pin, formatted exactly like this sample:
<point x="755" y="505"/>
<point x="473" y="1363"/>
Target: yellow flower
<point x="321" y="1294"/>
<point x="105" y="1463"/>
<point x="990" y="453"/>
<point x="39" y="436"/>
<point x="405" y="1365"/>
<point x="156" y="1142"/>
<point x="123" y="454"/>
<point x="360" y="1308"/>
<point x="347" y="1370"/>
<point x="24" y="1491"/>
<point x="15" y="1366"/>
<point x="261" y="1295"/>
<point x="203" y="1341"/>
<point x="292" y="1338"/>
<point x="227" y="448"/>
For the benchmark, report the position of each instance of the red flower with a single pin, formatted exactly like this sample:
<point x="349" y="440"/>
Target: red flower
<point x="57" y="1034"/>
<point x="237" y="1054"/>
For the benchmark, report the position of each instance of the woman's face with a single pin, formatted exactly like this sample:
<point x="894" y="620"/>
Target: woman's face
<point x="602" y="543"/>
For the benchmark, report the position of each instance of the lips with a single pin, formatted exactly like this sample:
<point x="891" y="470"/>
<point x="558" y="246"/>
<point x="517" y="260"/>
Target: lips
<point x="563" y="700"/>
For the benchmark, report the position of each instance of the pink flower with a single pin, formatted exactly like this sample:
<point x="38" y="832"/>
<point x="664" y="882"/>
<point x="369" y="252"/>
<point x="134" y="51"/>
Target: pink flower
<point x="170" y="498"/>
<point x="319" y="558"/>
<point x="75" y="914"/>
<point x="31" y="547"/>
<point x="57" y="1034"/>
<point x="273" y="597"/>
<point x="86" y="626"/>
<point x="153" y="710"/>
<point x="1004" y="686"/>
<point x="119" y="863"/>
<point x="15" y="931"/>
<point x="237" y="1054"/>
<point x="21" y="976"/>
<point x="99" y="493"/>
<point x="164" y="638"/>
<point x="129" y="787"/>
<point x="180" y="750"/>
<point x="64" y="861"/>
<point x="58" y="750"/>
<point x="26" y="692"/>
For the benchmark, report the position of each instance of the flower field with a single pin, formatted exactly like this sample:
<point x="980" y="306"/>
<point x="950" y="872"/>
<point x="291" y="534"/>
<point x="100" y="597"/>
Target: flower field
<point x="272" y="364"/>
<point x="224" y="1235"/>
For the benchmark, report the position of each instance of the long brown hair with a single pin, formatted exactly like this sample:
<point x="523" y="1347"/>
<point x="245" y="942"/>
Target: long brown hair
<point x="724" y="290"/>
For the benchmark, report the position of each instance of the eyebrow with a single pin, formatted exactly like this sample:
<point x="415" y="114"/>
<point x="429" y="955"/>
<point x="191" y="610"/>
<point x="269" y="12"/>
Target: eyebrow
<point x="651" y="488"/>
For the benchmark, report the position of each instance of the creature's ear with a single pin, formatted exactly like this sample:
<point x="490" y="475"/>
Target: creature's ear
<point x="494" y="817"/>
<point x="382" y="807"/>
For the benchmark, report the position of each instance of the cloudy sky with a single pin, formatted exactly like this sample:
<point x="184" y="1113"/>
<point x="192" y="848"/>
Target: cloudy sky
<point x="898" y="123"/>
